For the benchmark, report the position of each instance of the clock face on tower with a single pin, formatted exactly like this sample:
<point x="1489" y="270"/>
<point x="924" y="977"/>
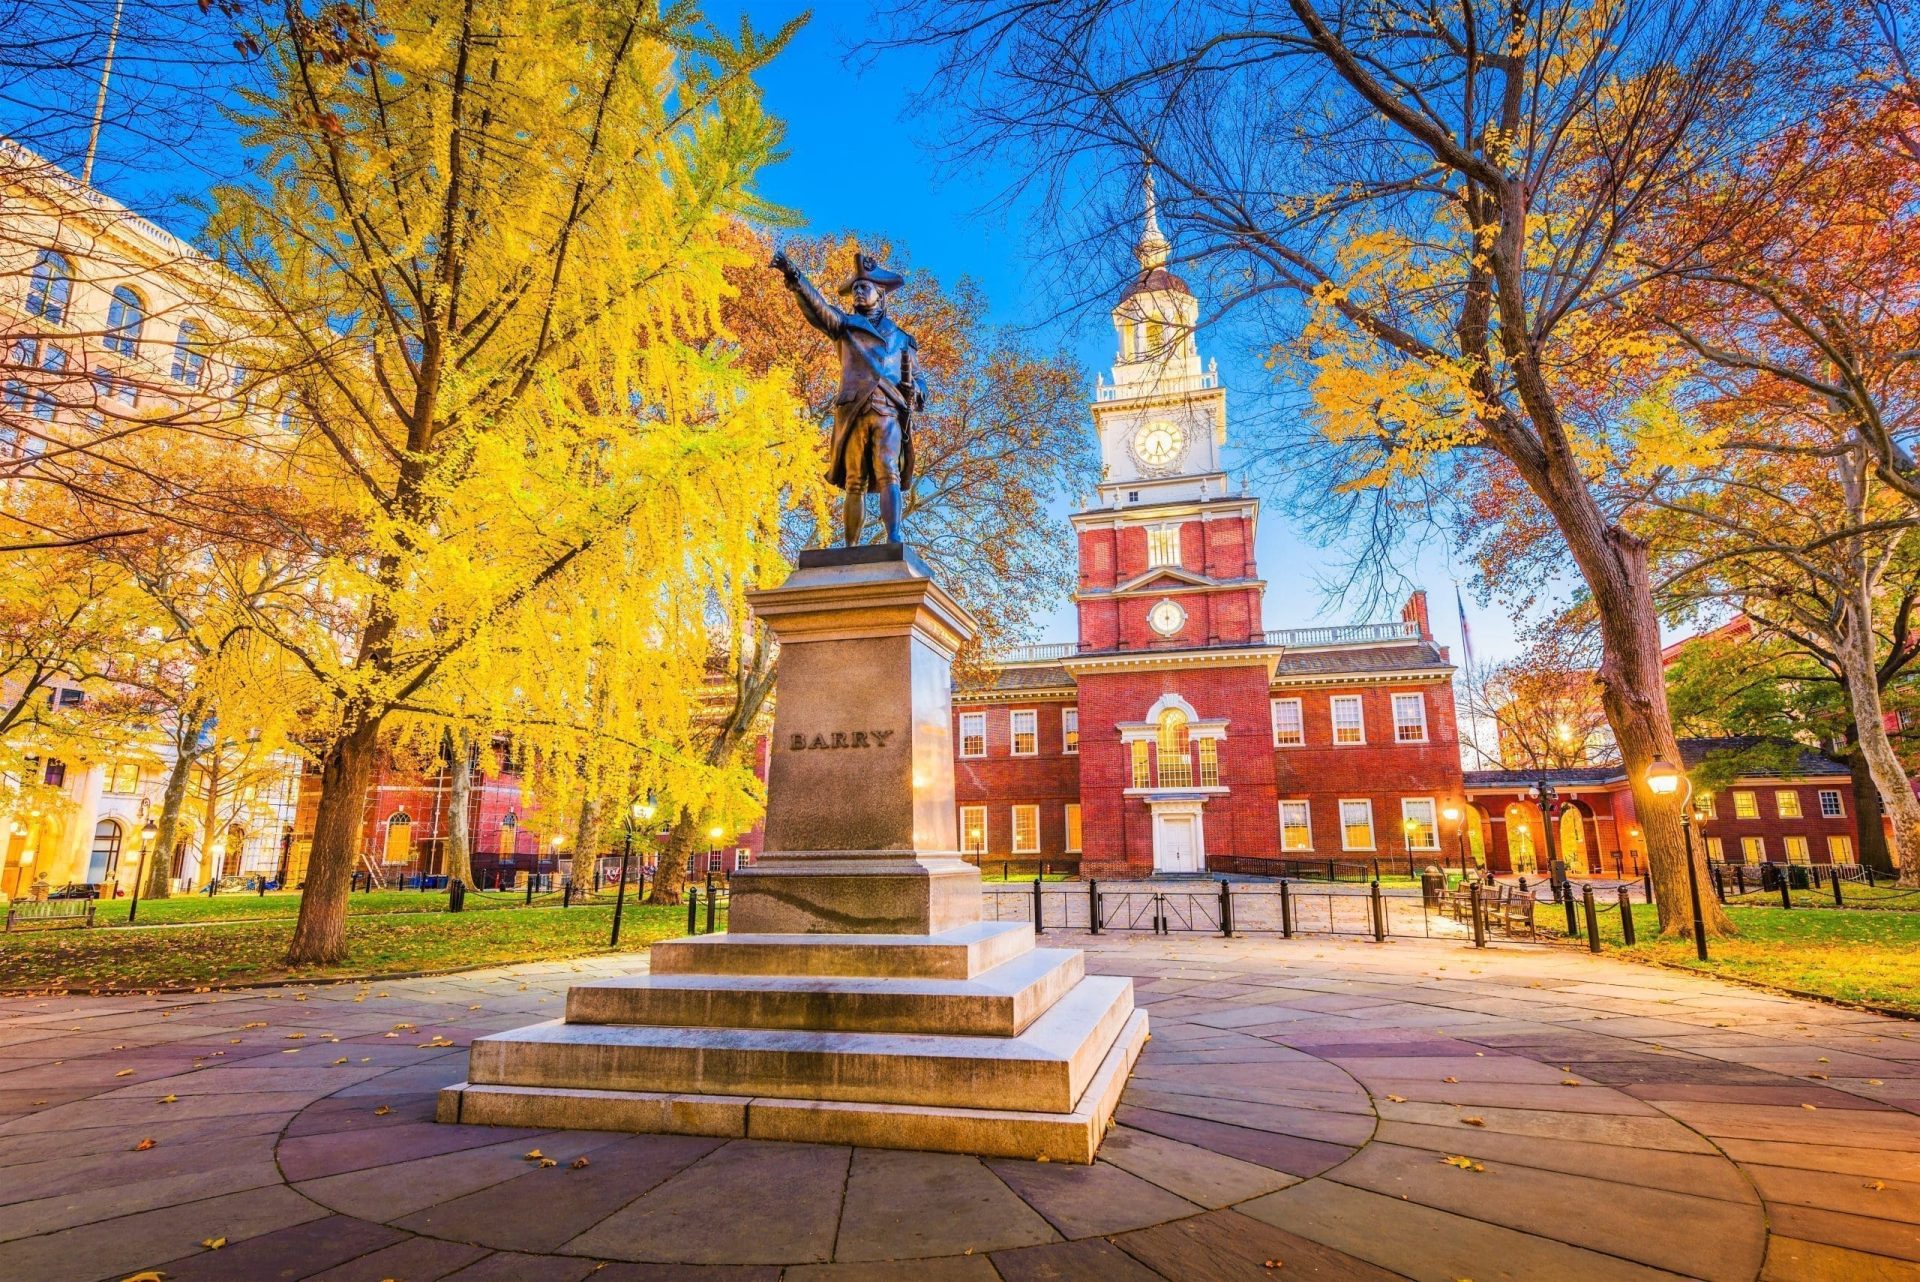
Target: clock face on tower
<point x="1166" y="617"/>
<point x="1158" y="445"/>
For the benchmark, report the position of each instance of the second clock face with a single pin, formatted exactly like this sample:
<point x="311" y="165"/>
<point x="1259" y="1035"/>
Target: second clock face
<point x="1159" y="444"/>
<point x="1167" y="618"/>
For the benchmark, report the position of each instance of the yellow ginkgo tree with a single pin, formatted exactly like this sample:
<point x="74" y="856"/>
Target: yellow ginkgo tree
<point x="481" y="258"/>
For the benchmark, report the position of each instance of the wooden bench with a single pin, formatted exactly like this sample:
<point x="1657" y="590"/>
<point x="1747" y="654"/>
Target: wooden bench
<point x="52" y="913"/>
<point x="1516" y="914"/>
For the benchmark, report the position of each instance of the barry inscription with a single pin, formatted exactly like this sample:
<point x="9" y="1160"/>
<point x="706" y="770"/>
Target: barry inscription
<point x="839" y="739"/>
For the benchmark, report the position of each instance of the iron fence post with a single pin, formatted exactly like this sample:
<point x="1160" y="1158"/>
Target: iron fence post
<point x="1226" y="909"/>
<point x="1739" y="879"/>
<point x="693" y="910"/>
<point x="1475" y="907"/>
<point x="1286" y="910"/>
<point x="1566" y="898"/>
<point x="1093" y="906"/>
<point x="1593" y="919"/>
<point x="713" y="902"/>
<point x="1719" y="882"/>
<point x="1870" y="880"/>
<point x="1039" y="927"/>
<point x="529" y="890"/>
<point x="1648" y="877"/>
<point x="1838" y="901"/>
<point x="620" y="896"/>
<point x="1379" y="913"/>
<point x="1786" y="886"/>
<point x="1626" y="917"/>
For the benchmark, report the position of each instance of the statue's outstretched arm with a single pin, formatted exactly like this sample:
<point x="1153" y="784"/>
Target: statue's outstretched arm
<point x="821" y="314"/>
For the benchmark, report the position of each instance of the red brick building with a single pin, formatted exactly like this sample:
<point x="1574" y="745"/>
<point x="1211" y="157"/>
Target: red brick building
<point x="1178" y="734"/>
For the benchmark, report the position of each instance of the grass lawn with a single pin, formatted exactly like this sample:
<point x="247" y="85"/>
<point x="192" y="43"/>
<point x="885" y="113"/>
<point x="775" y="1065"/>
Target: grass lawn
<point x="1854" y="894"/>
<point x="286" y="904"/>
<point x="1864" y="956"/>
<point x="251" y="952"/>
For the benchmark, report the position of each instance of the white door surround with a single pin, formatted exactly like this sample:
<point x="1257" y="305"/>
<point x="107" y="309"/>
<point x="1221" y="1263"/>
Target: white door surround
<point x="1179" y="840"/>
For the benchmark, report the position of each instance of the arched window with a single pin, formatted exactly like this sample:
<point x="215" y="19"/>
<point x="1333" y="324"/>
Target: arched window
<point x="236" y="848"/>
<point x="509" y="834"/>
<point x="189" y="354"/>
<point x="1520" y="846"/>
<point x="399" y="847"/>
<point x="126" y="316"/>
<point x="1175" y="766"/>
<point x="105" y="859"/>
<point x="50" y="287"/>
<point x="1573" y="840"/>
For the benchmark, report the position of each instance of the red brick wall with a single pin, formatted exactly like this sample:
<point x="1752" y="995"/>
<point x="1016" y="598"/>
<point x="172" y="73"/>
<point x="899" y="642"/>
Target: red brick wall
<point x="1220" y="549"/>
<point x="999" y="781"/>
<point x="1773" y="830"/>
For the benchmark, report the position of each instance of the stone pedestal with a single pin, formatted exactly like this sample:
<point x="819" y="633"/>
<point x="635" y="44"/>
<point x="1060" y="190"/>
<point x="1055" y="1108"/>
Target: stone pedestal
<point x="858" y="998"/>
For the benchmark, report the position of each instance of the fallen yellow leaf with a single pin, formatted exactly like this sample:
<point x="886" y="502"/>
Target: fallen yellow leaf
<point x="382" y="1111"/>
<point x="1473" y="1121"/>
<point x="534" y="1155"/>
<point x="143" y="1146"/>
<point x="125" y="1072"/>
<point x="579" y="1163"/>
<point x="1810" y="1108"/>
<point x="1396" y="1099"/>
<point x="1450" y="1079"/>
<point x="147" y="1275"/>
<point x="169" y="1099"/>
<point x="1464" y="1163"/>
<point x="1875" y="1185"/>
<point x="213" y="1243"/>
<point x="547" y="1161"/>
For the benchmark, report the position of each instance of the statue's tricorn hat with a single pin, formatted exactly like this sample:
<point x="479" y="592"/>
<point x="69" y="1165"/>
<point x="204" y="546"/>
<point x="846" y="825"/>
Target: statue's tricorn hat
<point x="867" y="267"/>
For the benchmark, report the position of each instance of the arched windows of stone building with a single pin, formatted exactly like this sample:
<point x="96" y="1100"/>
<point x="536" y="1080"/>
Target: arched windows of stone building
<point x="126" y="317"/>
<point x="50" y="288"/>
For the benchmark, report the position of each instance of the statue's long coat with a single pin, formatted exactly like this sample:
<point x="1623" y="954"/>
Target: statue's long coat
<point x="869" y="348"/>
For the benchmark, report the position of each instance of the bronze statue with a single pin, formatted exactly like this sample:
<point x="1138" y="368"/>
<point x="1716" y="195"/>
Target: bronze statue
<point x="872" y="446"/>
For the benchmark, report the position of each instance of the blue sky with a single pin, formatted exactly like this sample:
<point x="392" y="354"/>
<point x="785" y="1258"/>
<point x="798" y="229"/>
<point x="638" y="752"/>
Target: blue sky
<point x="896" y="189"/>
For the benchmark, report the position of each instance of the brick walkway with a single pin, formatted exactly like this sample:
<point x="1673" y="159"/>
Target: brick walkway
<point x="1297" y="1104"/>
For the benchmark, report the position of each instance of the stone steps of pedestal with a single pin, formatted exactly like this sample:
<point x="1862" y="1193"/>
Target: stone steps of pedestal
<point x="1000" y="1002"/>
<point x="961" y="953"/>
<point x="1071" y="1136"/>
<point x="1043" y="1069"/>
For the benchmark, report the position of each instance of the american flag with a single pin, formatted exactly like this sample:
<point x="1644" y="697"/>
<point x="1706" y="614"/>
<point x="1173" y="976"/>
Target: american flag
<point x="1466" y="635"/>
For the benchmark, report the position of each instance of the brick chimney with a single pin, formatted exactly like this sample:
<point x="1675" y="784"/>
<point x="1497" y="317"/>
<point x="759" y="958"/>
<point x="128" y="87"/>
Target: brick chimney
<point x="1415" y="612"/>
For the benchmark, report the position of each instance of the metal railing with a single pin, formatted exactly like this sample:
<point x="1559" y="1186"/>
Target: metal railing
<point x="1343" y="634"/>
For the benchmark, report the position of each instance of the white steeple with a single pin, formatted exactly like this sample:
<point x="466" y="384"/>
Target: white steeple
<point x="1154" y="247"/>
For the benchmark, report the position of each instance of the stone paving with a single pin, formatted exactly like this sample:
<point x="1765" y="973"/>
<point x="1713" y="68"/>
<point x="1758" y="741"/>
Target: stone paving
<point x="1293" y="1117"/>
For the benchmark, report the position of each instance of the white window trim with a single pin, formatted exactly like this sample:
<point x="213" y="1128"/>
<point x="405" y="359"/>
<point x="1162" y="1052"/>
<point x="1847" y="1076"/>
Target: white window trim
<point x="1839" y="806"/>
<point x="1779" y="811"/>
<point x="1300" y="712"/>
<point x="1071" y="846"/>
<point x="1069" y="744"/>
<point x="1757" y="845"/>
<point x="984" y="830"/>
<point x="1833" y="855"/>
<point x="1373" y="832"/>
<point x="1164" y="528"/>
<point x="1019" y="849"/>
<point x="1307" y="807"/>
<point x="1752" y="797"/>
<point x="1420" y="702"/>
<point x="1433" y="807"/>
<point x="1013" y="731"/>
<point x="1359" y="704"/>
<point x="981" y="719"/>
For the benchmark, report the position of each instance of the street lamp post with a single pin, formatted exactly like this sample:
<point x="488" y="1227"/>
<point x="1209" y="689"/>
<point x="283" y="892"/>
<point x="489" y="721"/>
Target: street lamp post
<point x="1664" y="780"/>
<point x="147" y="833"/>
<point x="556" y="843"/>
<point x="713" y="839"/>
<point x="637" y="813"/>
<point x="1456" y="816"/>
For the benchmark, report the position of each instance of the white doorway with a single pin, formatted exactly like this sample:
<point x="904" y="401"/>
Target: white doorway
<point x="1176" y="843"/>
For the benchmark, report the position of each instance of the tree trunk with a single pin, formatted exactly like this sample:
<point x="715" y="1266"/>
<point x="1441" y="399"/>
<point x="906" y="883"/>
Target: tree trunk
<point x="670" y="878"/>
<point x="1858" y="658"/>
<point x="159" y="879"/>
<point x="320" y="935"/>
<point x="459" y="806"/>
<point x="210" y="821"/>
<point x="586" y="845"/>
<point x="1868" y="814"/>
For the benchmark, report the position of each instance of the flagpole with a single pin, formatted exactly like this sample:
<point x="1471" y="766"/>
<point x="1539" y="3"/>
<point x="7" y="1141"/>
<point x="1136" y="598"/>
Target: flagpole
<point x="100" y="99"/>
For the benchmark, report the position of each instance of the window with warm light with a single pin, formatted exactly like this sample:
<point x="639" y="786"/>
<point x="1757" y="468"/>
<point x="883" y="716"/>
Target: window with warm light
<point x="1175" y="767"/>
<point x="1026" y="830"/>
<point x="1289" y="728"/>
<point x="1296" y="826"/>
<point x="122" y="778"/>
<point x="1746" y="805"/>
<point x="1073" y="829"/>
<point x="1163" y="546"/>
<point x="1796" y="850"/>
<point x="1787" y="802"/>
<point x="1716" y="851"/>
<point x="1416" y="816"/>
<point x="1356" y="825"/>
<point x="1026" y="732"/>
<point x="1349" y="725"/>
<point x="973" y="830"/>
<point x="973" y="734"/>
<point x="1069" y="730"/>
<point x="1753" y="849"/>
<point x="1840" y="849"/>
<point x="1409" y="718"/>
<point x="1142" y="778"/>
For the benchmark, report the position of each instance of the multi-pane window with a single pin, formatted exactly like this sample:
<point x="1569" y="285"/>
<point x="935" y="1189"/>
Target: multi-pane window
<point x="1753" y="850"/>
<point x="973" y="830"/>
<point x="190" y="354"/>
<point x="1209" y="753"/>
<point x="1142" y="778"/>
<point x="1069" y="730"/>
<point x="1796" y="850"/>
<point x="1716" y="851"/>
<point x="1787" y="802"/>
<point x="1706" y="805"/>
<point x="1417" y="817"/>
<point x="973" y="734"/>
<point x="1025" y="725"/>
<point x="126" y="316"/>
<point x="1348" y="725"/>
<point x="1356" y="825"/>
<point x="1289" y="729"/>
<point x="1409" y="718"/>
<point x="122" y="777"/>
<point x="1176" y="767"/>
<point x="1163" y="546"/>
<point x="1830" y="804"/>
<point x="50" y="287"/>
<point x="1296" y="826"/>
<point x="1746" y="806"/>
<point x="1073" y="829"/>
<point x="1840" y="849"/>
<point x="1026" y="830"/>
<point x="715" y="861"/>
